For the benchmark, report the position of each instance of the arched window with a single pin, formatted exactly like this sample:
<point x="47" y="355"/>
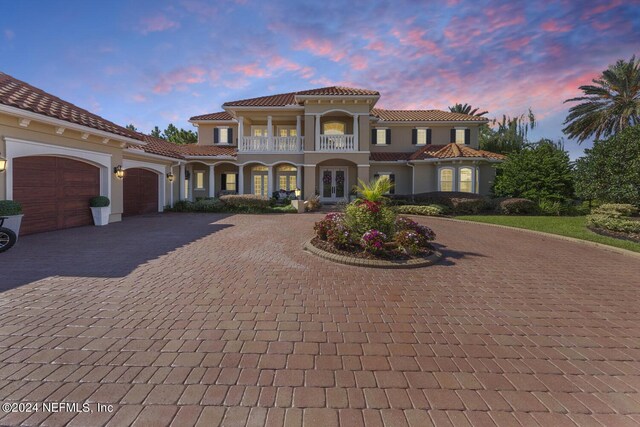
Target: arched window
<point x="287" y="177"/>
<point x="465" y="183"/>
<point x="333" y="128"/>
<point x="260" y="180"/>
<point x="446" y="179"/>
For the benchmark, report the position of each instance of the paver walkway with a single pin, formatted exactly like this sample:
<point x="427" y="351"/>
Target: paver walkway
<point x="183" y="319"/>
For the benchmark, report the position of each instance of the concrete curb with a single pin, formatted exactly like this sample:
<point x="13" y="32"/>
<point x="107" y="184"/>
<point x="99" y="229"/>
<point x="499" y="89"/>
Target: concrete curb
<point x="620" y="251"/>
<point x="373" y="263"/>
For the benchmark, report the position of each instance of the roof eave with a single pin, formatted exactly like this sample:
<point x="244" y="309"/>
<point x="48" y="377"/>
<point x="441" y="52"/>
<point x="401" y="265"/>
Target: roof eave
<point x="436" y="122"/>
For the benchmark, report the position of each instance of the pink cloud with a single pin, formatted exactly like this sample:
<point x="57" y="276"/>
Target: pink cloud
<point x="602" y="8"/>
<point x="517" y="44"/>
<point x="157" y="23"/>
<point x="321" y="47"/>
<point x="553" y="26"/>
<point x="251" y="70"/>
<point x="138" y="97"/>
<point x="179" y="78"/>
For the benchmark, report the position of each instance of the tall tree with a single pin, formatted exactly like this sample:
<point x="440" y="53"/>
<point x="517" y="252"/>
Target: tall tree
<point x="156" y="132"/>
<point x="608" y="106"/>
<point x="467" y="109"/>
<point x="131" y="127"/>
<point x="508" y="135"/>
<point x="179" y="135"/>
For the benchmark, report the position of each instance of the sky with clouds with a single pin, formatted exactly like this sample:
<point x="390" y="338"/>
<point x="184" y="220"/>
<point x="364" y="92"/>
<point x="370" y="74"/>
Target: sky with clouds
<point x="152" y="62"/>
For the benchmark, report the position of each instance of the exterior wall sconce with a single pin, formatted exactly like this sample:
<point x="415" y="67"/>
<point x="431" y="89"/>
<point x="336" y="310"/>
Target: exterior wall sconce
<point x="171" y="177"/>
<point x="3" y="164"/>
<point x="119" y="172"/>
<point x="298" y="192"/>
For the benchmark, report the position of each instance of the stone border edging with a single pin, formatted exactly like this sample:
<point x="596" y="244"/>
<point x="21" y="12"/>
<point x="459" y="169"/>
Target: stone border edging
<point x="620" y="251"/>
<point x="372" y="263"/>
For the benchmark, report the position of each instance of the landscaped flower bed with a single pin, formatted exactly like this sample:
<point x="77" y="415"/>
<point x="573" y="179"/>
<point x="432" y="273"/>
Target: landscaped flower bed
<point x="370" y="229"/>
<point x="616" y="220"/>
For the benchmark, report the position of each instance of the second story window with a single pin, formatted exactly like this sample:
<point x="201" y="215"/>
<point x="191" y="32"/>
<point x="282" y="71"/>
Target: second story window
<point x="381" y="136"/>
<point x="222" y="135"/>
<point x="421" y="136"/>
<point x="287" y="131"/>
<point x="461" y="136"/>
<point x="259" y="131"/>
<point x="333" y="128"/>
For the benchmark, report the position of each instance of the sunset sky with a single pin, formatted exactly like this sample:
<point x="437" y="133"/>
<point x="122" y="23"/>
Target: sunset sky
<point x="155" y="62"/>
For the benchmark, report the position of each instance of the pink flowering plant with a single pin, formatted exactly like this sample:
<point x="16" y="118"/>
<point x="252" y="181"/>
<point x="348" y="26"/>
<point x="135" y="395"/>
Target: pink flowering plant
<point x="323" y="226"/>
<point x="373" y="241"/>
<point x="339" y="235"/>
<point x="409" y="241"/>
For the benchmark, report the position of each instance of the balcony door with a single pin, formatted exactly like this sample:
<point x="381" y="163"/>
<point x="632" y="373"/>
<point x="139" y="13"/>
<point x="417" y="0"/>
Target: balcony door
<point x="333" y="184"/>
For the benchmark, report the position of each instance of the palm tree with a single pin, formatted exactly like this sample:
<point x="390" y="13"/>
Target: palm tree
<point x="608" y="106"/>
<point x="467" y="109"/>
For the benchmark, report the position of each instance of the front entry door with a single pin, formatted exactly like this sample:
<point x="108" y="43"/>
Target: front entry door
<point x="334" y="184"/>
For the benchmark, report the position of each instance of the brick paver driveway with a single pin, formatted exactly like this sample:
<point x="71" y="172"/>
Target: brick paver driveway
<point x="209" y="319"/>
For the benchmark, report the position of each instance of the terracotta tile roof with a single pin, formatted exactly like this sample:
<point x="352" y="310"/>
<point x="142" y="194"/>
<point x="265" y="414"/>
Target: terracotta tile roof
<point x="221" y="115"/>
<point x="163" y="147"/>
<point x="18" y="94"/>
<point x="285" y="99"/>
<point x="423" y="116"/>
<point x="451" y="151"/>
<point x="207" y="150"/>
<point x="389" y="157"/>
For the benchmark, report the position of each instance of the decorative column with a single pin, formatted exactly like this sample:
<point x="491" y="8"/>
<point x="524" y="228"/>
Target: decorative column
<point x="318" y="132"/>
<point x="212" y="181"/>
<point x="309" y="181"/>
<point x="269" y="133"/>
<point x="355" y="131"/>
<point x="240" y="132"/>
<point x="240" y="182"/>
<point x="299" y="178"/>
<point x="171" y="188"/>
<point x="181" y="195"/>
<point x="298" y="132"/>
<point x="269" y="181"/>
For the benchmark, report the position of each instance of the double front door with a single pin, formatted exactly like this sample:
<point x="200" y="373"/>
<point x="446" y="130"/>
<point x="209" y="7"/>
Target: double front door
<point x="334" y="182"/>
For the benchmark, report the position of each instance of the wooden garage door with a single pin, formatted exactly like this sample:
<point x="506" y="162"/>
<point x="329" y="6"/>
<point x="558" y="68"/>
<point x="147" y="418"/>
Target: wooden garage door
<point x="140" y="192"/>
<point x="54" y="192"/>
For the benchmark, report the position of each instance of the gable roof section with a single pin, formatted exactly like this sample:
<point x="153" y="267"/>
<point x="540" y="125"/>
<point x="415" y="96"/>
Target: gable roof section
<point x="18" y="94"/>
<point x="207" y="150"/>
<point x="289" y="99"/>
<point x="221" y="115"/>
<point x="424" y="116"/>
<point x="453" y="151"/>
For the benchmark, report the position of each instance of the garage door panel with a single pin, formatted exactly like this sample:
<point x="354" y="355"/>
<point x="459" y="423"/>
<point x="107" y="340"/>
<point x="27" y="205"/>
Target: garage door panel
<point x="140" y="192"/>
<point x="54" y="192"/>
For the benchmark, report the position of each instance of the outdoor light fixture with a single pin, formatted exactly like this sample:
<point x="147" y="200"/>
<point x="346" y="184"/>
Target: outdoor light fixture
<point x="3" y="164"/>
<point x="170" y="176"/>
<point x="298" y="192"/>
<point x="119" y="172"/>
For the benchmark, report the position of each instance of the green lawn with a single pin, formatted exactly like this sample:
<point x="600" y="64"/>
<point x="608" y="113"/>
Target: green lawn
<point x="570" y="226"/>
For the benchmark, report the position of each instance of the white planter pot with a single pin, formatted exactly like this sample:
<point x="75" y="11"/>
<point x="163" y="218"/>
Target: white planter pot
<point x="298" y="205"/>
<point x="13" y="223"/>
<point x="101" y="215"/>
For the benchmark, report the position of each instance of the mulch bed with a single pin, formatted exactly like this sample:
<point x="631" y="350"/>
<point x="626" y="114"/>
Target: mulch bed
<point x="616" y="234"/>
<point x="357" y="252"/>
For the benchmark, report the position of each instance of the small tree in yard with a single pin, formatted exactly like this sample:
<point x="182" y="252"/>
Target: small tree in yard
<point x="610" y="171"/>
<point x="540" y="172"/>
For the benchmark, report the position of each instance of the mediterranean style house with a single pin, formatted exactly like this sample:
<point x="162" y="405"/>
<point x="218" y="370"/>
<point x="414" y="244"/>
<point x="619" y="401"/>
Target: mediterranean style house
<point x="321" y="141"/>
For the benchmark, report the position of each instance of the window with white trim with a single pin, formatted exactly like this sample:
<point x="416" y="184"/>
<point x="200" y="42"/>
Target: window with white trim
<point x="460" y="136"/>
<point x="381" y="136"/>
<point x="287" y="177"/>
<point x="284" y="131"/>
<point x="259" y="131"/>
<point x="199" y="180"/>
<point x="445" y="179"/>
<point x="465" y="180"/>
<point x="230" y="182"/>
<point x="223" y="135"/>
<point x="421" y="136"/>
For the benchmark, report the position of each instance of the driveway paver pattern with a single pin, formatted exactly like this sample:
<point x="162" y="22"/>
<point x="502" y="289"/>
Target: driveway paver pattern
<point x="185" y="319"/>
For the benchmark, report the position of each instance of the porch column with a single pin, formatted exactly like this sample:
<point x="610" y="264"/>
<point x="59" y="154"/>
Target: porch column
<point x="240" y="182"/>
<point x="269" y="181"/>
<point x="299" y="177"/>
<point x="240" y="131"/>
<point x="171" y="188"/>
<point x="212" y="181"/>
<point x="269" y="133"/>
<point x="355" y="132"/>
<point x="363" y="172"/>
<point x="299" y="131"/>
<point x="317" y="132"/>
<point x="309" y="181"/>
<point x="181" y="195"/>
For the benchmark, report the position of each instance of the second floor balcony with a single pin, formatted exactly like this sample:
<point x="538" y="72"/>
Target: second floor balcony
<point x="274" y="144"/>
<point x="336" y="143"/>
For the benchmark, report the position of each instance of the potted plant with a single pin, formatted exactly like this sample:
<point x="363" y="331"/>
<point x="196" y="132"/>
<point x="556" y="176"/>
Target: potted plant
<point x="100" y="209"/>
<point x="12" y="211"/>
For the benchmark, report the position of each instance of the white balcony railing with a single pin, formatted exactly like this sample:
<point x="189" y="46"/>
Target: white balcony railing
<point x="336" y="143"/>
<point x="276" y="144"/>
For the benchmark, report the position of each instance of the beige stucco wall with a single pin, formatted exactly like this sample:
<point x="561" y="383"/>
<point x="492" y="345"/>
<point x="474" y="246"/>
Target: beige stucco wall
<point x="205" y="132"/>
<point x="487" y="177"/>
<point x="402" y="175"/>
<point x="426" y="175"/>
<point x="425" y="178"/>
<point x="318" y="157"/>
<point x="401" y="137"/>
<point x="271" y="159"/>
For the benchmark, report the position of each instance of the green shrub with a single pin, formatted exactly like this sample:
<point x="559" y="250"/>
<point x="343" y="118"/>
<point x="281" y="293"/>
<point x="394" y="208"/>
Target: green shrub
<point x="552" y="207"/>
<point x="9" y="207"/>
<point x="99" y="202"/>
<point x="621" y="225"/>
<point x="375" y="190"/>
<point x="616" y="210"/>
<point x="361" y="217"/>
<point x="468" y="206"/>
<point x="428" y="210"/>
<point x="208" y="205"/>
<point x="457" y="202"/>
<point x="245" y="201"/>
<point x="183" y="206"/>
<point x="516" y="206"/>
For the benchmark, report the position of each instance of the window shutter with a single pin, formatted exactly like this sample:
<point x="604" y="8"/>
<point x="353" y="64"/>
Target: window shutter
<point x="373" y="136"/>
<point x="414" y="136"/>
<point x="376" y="176"/>
<point x="428" y="136"/>
<point x="467" y="136"/>
<point x="392" y="178"/>
<point x="453" y="136"/>
<point x="388" y="142"/>
<point x="229" y="136"/>
<point x="216" y="135"/>
<point x="223" y="182"/>
<point x="237" y="183"/>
